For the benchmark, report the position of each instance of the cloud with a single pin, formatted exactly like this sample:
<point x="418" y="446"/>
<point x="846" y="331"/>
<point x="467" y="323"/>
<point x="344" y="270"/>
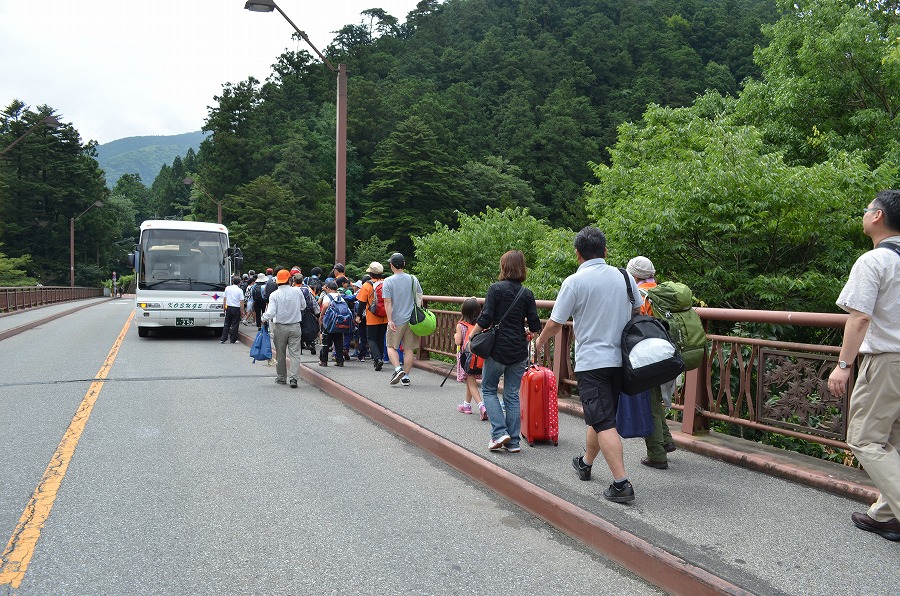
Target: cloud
<point x="120" y="68"/>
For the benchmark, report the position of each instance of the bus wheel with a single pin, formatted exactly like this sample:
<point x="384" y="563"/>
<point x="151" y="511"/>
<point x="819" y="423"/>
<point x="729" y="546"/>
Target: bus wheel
<point x="143" y="331"/>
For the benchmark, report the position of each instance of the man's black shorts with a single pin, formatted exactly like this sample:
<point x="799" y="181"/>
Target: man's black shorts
<point x="599" y="392"/>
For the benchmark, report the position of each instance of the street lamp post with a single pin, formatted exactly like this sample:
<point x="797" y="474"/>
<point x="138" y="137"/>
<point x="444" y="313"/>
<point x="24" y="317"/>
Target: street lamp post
<point x="340" y="201"/>
<point x="72" y="241"/>
<point x="190" y="181"/>
<point x="48" y="121"/>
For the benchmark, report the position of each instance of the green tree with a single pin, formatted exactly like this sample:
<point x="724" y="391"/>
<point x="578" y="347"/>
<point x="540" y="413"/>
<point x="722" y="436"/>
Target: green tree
<point x="466" y="260"/>
<point x="830" y="81"/>
<point x="716" y="208"/>
<point x="414" y="186"/>
<point x="14" y="271"/>
<point x="266" y="229"/>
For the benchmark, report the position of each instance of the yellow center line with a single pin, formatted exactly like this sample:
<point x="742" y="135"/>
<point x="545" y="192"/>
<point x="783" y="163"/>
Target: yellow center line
<point x="22" y="543"/>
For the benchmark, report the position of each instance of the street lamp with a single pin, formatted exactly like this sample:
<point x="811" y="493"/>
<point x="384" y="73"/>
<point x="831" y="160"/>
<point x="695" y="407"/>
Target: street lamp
<point x="72" y="241"/>
<point x="190" y="181"/>
<point x="340" y="201"/>
<point x="48" y="121"/>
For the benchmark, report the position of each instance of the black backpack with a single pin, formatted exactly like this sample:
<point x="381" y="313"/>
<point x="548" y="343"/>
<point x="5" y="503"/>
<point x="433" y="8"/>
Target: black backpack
<point x="649" y="356"/>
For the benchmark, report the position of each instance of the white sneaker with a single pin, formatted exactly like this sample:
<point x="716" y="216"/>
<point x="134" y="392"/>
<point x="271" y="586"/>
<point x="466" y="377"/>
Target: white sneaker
<point x="497" y="444"/>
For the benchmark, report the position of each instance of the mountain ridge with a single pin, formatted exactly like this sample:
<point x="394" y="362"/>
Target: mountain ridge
<point x="144" y="155"/>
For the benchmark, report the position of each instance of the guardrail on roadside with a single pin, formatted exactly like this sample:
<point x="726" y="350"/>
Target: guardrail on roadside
<point x="20" y="298"/>
<point x="765" y="385"/>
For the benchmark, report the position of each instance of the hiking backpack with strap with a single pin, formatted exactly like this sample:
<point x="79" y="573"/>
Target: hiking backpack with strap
<point x="472" y="364"/>
<point x="376" y="306"/>
<point x="672" y="302"/>
<point x="337" y="316"/>
<point x="649" y="356"/>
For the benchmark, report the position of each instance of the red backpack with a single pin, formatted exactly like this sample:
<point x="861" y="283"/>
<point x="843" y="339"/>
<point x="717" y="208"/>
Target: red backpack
<point x="376" y="306"/>
<point x="470" y="363"/>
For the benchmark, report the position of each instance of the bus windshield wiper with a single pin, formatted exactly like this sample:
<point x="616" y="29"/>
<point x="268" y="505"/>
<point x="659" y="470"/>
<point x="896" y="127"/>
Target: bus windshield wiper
<point x="186" y="280"/>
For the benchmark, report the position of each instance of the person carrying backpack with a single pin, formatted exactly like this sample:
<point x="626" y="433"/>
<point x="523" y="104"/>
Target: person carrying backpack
<point x="468" y="372"/>
<point x="370" y="299"/>
<point x="659" y="444"/>
<point x="260" y="298"/>
<point x="335" y="320"/>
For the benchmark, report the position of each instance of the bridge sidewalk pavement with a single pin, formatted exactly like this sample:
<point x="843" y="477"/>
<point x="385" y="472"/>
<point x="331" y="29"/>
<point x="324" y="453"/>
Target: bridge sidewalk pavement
<point x="736" y="529"/>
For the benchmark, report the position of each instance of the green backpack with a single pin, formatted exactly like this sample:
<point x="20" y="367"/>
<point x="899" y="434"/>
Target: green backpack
<point x="672" y="302"/>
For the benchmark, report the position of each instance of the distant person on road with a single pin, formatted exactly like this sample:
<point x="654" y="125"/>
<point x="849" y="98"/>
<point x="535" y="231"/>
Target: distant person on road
<point x="401" y="291"/>
<point x="234" y="306"/>
<point x="871" y="296"/>
<point x="285" y="310"/>
<point x="510" y="305"/>
<point x="660" y="442"/>
<point x="468" y="316"/>
<point x="598" y="303"/>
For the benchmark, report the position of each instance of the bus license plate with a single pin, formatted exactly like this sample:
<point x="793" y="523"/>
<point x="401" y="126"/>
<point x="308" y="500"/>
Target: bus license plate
<point x="184" y="322"/>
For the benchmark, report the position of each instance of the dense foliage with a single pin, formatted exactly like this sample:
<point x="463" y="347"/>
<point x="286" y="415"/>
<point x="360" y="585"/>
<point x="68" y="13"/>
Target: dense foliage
<point x="467" y="104"/>
<point x="476" y="126"/>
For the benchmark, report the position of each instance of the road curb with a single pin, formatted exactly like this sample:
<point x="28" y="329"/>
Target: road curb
<point x="646" y="560"/>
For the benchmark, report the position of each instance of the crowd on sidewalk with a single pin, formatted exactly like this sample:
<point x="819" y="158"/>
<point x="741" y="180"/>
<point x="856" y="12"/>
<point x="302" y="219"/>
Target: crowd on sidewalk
<point x="369" y="320"/>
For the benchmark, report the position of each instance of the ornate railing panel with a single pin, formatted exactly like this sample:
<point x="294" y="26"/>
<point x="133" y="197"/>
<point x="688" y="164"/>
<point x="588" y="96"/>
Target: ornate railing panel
<point x="765" y="385"/>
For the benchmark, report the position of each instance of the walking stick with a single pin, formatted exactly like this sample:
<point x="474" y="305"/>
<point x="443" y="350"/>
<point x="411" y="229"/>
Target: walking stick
<point x="449" y="371"/>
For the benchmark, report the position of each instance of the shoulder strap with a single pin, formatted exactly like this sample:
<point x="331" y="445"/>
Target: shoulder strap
<point x="628" y="287"/>
<point x="890" y="246"/>
<point x="513" y="303"/>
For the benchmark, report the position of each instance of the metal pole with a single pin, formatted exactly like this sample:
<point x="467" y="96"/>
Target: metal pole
<point x="71" y="252"/>
<point x="340" y="207"/>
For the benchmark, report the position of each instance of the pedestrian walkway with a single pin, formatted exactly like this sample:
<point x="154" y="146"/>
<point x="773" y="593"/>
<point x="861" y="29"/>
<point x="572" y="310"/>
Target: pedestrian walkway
<point x="20" y="320"/>
<point x="757" y="532"/>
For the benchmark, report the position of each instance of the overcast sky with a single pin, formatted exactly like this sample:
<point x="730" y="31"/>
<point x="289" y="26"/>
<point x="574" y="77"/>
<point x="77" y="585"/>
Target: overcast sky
<point x="124" y="68"/>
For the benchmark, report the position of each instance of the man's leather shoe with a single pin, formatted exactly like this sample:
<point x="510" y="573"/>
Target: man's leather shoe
<point x="888" y="529"/>
<point x="659" y="465"/>
<point x="670" y="447"/>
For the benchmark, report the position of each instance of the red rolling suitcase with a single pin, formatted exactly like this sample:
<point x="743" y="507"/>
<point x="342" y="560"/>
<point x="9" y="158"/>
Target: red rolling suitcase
<point x="539" y="405"/>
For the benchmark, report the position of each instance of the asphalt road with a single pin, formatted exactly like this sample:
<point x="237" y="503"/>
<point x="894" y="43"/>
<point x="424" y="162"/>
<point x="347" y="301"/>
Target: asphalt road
<point x="196" y="474"/>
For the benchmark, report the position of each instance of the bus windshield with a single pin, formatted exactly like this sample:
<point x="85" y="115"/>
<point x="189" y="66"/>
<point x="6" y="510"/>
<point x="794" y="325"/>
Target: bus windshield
<point x="183" y="260"/>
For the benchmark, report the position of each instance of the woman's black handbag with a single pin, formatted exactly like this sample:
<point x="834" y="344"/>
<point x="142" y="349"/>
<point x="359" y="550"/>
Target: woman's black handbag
<point x="482" y="343"/>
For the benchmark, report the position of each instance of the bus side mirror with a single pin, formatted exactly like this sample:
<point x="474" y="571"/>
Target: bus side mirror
<point x="238" y="263"/>
<point x="130" y="259"/>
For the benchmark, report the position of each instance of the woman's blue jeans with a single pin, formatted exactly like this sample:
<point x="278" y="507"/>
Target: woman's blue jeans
<point x="504" y="419"/>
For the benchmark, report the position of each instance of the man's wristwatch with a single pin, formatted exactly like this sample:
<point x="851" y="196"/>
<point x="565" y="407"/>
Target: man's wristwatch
<point x="842" y="364"/>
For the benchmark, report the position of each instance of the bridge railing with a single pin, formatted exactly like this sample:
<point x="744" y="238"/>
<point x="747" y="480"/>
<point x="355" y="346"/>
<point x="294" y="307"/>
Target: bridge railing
<point x="765" y="385"/>
<point x="20" y="298"/>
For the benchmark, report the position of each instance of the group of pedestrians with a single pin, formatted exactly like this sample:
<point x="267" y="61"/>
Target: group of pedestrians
<point x="597" y="301"/>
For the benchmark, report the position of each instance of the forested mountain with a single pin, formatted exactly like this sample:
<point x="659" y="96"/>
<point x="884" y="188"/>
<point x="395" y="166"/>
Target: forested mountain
<point x="741" y="172"/>
<point x="144" y="156"/>
<point x="468" y="103"/>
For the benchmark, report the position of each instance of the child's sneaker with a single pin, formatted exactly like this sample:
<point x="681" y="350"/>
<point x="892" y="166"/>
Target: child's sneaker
<point x="464" y="408"/>
<point x="483" y="411"/>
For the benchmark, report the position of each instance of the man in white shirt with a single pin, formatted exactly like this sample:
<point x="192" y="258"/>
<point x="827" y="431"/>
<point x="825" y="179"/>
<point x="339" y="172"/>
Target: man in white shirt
<point x="234" y="307"/>
<point x="871" y="296"/>
<point x="285" y="310"/>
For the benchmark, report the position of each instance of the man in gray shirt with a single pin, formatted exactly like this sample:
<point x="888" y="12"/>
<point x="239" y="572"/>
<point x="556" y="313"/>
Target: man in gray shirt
<point x="596" y="298"/>
<point x="401" y="291"/>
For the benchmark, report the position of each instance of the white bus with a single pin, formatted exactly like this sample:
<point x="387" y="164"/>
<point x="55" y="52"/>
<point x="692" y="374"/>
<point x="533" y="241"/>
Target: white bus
<point x="181" y="271"/>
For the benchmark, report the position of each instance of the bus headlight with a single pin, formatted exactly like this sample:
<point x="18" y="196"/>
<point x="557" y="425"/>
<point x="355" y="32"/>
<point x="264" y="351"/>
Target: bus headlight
<point x="149" y="305"/>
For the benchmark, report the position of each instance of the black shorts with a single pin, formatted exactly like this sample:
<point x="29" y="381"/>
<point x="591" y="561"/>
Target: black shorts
<point x="599" y="392"/>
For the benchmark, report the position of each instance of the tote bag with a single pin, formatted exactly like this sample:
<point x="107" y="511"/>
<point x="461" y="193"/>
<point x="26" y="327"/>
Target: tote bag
<point x="634" y="418"/>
